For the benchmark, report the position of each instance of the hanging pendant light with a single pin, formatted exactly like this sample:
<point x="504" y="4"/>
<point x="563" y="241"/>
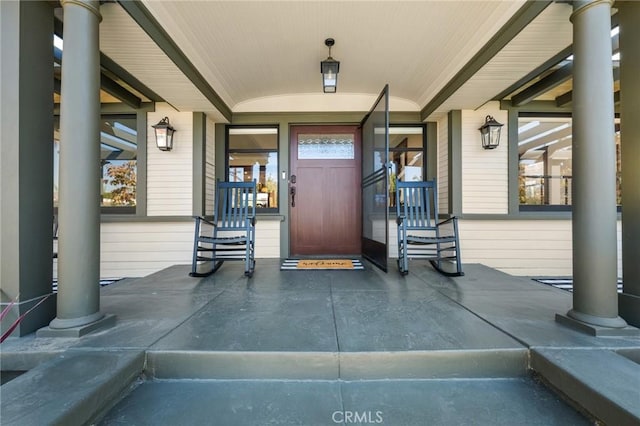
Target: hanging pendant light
<point x="329" y="69"/>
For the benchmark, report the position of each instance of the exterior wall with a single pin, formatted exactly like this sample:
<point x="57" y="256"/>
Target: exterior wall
<point x="136" y="249"/>
<point x="538" y="248"/>
<point x="443" y="162"/>
<point x="485" y="187"/>
<point x="522" y="247"/>
<point x="518" y="247"/>
<point x="169" y="174"/>
<point x="210" y="167"/>
<point x="133" y="249"/>
<point x="268" y="238"/>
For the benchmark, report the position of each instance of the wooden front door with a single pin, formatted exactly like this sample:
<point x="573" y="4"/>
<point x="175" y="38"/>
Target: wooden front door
<point x="324" y="190"/>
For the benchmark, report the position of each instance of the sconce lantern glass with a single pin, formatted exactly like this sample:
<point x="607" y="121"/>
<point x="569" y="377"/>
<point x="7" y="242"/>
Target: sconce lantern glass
<point x="490" y="133"/>
<point x="164" y="135"/>
<point x="329" y="69"/>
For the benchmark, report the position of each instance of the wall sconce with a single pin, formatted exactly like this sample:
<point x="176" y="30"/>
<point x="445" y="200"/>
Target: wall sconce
<point x="329" y="69"/>
<point x="164" y="135"/>
<point x="490" y="133"/>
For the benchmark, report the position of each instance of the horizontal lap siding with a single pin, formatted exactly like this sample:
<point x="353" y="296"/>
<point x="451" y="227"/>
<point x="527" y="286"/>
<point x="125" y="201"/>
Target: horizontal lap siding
<point x="210" y="170"/>
<point x="393" y="239"/>
<point x="443" y="165"/>
<point x="485" y="186"/>
<point x="268" y="238"/>
<point x="522" y="247"/>
<point x="170" y="173"/>
<point x="517" y="247"/>
<point x="139" y="249"/>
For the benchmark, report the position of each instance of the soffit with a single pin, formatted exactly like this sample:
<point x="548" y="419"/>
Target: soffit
<point x="128" y="45"/>
<point x="546" y="36"/>
<point x="249" y="50"/>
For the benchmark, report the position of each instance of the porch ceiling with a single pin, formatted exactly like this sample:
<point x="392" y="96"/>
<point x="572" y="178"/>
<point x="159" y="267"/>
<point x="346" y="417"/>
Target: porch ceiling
<point x="258" y="55"/>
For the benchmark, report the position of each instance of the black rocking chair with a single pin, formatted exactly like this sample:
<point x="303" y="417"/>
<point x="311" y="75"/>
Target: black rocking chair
<point x="231" y="234"/>
<point x="417" y="212"/>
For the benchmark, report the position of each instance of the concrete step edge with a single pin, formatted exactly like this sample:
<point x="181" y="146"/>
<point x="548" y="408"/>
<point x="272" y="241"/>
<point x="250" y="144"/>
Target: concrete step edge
<point x="70" y="388"/>
<point x="602" y="382"/>
<point x="493" y="363"/>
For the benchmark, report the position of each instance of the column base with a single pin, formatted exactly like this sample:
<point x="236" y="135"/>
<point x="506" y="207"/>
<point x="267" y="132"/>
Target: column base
<point x="104" y="322"/>
<point x="629" y="308"/>
<point x="595" y="329"/>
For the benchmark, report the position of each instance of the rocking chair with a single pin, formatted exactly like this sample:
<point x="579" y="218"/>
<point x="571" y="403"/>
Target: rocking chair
<point x="231" y="234"/>
<point x="416" y="208"/>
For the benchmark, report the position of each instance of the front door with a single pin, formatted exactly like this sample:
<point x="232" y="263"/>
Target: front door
<point x="324" y="190"/>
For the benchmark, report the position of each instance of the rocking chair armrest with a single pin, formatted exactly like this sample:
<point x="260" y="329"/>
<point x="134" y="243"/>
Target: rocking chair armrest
<point x="253" y="220"/>
<point x="399" y="220"/>
<point x="451" y="219"/>
<point x="204" y="219"/>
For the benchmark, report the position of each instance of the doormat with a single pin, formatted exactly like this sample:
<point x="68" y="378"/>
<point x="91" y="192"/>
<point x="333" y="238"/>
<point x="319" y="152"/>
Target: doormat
<point x="103" y="282"/>
<point x="566" y="283"/>
<point x="320" y="264"/>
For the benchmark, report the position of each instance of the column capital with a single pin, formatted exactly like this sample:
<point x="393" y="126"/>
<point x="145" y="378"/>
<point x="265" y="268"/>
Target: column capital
<point x="91" y="5"/>
<point x="580" y="6"/>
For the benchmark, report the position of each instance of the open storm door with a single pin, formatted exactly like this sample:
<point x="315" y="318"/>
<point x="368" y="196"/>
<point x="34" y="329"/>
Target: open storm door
<point x="375" y="182"/>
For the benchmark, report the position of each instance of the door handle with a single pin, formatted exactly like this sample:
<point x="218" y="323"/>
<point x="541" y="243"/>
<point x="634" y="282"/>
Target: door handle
<point x="292" y="191"/>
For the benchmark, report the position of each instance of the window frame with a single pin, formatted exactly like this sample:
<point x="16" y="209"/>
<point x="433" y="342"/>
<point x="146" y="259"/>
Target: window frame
<point x="115" y="110"/>
<point x="423" y="149"/>
<point x="541" y="208"/>
<point x="276" y="149"/>
<point x="538" y="207"/>
<point x="127" y="210"/>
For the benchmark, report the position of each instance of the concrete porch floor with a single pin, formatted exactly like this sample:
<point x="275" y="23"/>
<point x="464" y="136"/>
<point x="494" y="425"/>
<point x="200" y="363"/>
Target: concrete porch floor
<point x="337" y="347"/>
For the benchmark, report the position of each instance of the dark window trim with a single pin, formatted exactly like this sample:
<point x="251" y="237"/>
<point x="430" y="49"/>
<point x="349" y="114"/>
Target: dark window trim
<point x="126" y="210"/>
<point x="261" y="211"/>
<point x="552" y="208"/>
<point x="423" y="150"/>
<point x="537" y="208"/>
<point x="141" y="153"/>
<point x="531" y="114"/>
<point x="122" y="110"/>
<point x="546" y="208"/>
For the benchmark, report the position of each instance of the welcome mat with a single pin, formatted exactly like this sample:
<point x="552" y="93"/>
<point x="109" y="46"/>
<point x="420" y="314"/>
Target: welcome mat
<point x="566" y="283"/>
<point x="321" y="264"/>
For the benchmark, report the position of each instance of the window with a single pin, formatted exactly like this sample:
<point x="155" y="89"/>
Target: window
<point x="118" y="163"/>
<point x="252" y="153"/>
<point x="326" y="147"/>
<point x="406" y="154"/>
<point x="545" y="161"/>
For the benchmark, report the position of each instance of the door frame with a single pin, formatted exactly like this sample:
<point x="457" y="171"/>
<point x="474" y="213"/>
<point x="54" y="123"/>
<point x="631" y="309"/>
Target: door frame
<point x="322" y="128"/>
